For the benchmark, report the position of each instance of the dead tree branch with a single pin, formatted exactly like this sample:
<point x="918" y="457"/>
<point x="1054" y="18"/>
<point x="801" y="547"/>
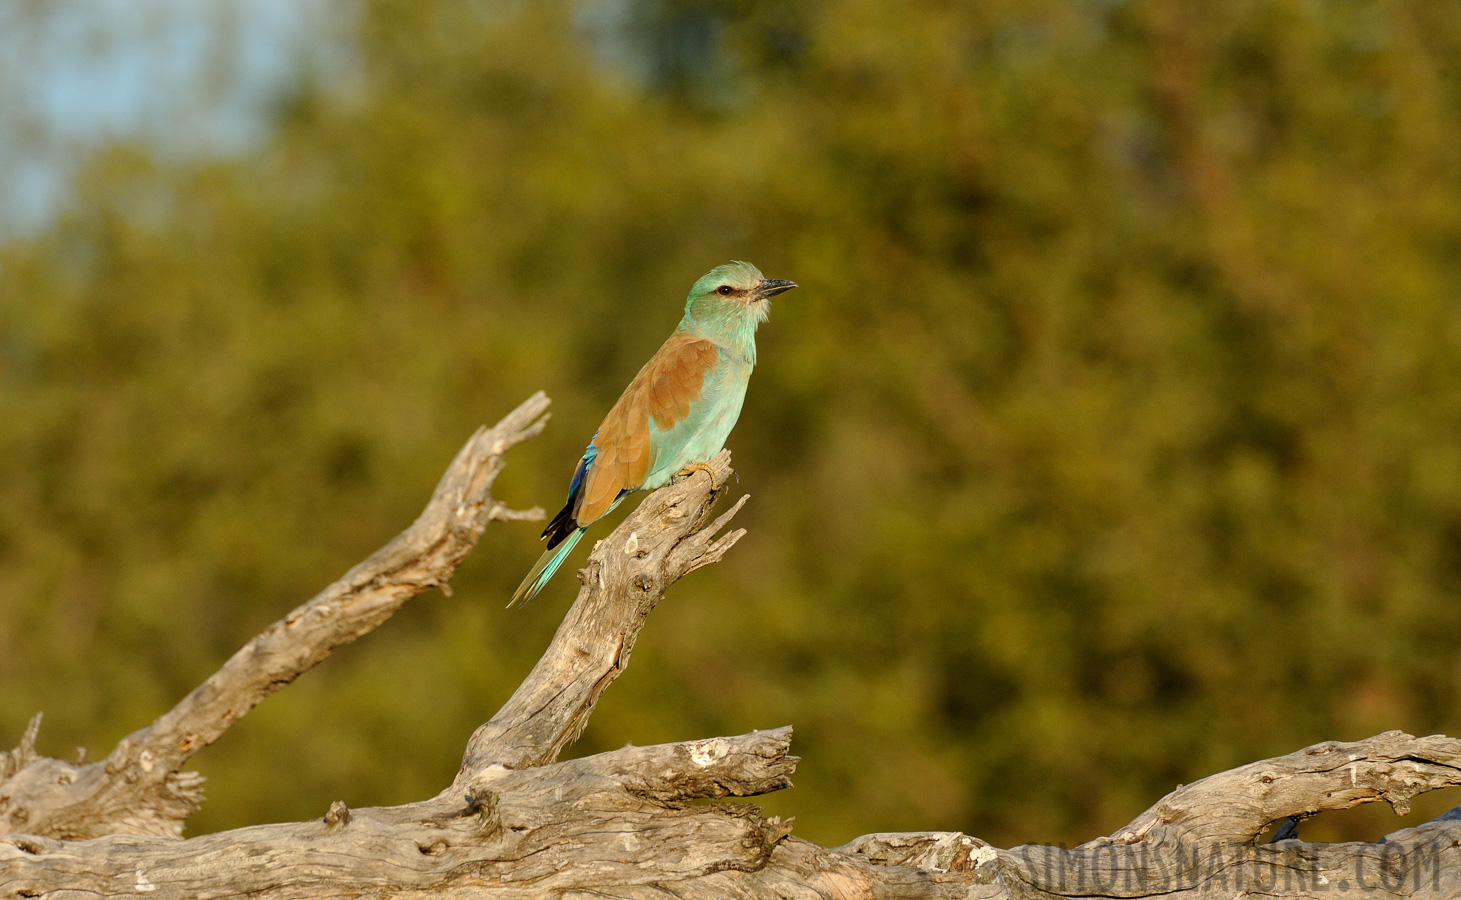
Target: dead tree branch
<point x="515" y="823"/>
<point x="627" y="574"/>
<point x="525" y="833"/>
<point x="1393" y="767"/>
<point x="140" y="787"/>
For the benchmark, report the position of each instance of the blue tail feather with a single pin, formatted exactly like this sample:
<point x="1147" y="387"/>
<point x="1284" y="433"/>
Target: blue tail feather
<point x="543" y="570"/>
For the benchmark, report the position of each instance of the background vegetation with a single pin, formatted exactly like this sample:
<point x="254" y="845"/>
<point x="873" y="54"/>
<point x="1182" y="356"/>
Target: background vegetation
<point x="1112" y="439"/>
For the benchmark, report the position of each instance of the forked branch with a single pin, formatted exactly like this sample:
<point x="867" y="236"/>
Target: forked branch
<point x="668" y="536"/>
<point x="632" y="823"/>
<point x="140" y="787"/>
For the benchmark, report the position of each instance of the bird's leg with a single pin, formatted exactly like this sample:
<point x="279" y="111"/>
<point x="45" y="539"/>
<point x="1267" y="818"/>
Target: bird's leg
<point x="692" y="468"/>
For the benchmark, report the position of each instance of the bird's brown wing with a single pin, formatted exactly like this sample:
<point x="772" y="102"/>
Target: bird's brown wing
<point x="663" y="391"/>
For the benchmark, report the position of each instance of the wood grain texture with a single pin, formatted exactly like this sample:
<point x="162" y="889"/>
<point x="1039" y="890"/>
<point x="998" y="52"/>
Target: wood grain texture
<point x="1240" y="804"/>
<point x="140" y="788"/>
<point x="635" y="822"/>
<point x="626" y="824"/>
<point x="612" y="819"/>
<point x="668" y="536"/>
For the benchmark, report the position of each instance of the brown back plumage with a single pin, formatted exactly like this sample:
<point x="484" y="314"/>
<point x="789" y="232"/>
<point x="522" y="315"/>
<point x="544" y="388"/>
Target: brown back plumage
<point x="663" y="391"/>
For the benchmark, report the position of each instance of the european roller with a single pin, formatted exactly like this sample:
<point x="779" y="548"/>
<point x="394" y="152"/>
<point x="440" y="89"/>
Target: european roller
<point x="675" y="414"/>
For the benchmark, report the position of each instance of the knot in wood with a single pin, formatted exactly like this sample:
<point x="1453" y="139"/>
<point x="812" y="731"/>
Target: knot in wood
<point x="483" y="805"/>
<point x="589" y="574"/>
<point x="27" y="844"/>
<point x="435" y="848"/>
<point x="480" y="801"/>
<point x="338" y="816"/>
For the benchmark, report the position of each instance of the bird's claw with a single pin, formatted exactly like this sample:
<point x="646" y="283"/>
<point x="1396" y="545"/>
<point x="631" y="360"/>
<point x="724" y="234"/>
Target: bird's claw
<point x="692" y="468"/>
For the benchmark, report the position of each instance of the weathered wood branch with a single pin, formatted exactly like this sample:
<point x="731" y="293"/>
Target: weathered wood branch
<point x="140" y="788"/>
<point x="623" y="824"/>
<point x="627" y="574"/>
<point x="1203" y="839"/>
<point x="633" y="823"/>
<point x="1240" y="804"/>
<point x="612" y="819"/>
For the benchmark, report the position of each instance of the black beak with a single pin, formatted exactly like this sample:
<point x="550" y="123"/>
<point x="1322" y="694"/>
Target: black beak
<point x="770" y="287"/>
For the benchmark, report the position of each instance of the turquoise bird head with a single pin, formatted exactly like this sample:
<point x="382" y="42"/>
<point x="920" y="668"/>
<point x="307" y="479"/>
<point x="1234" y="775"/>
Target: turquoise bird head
<point x="735" y="294"/>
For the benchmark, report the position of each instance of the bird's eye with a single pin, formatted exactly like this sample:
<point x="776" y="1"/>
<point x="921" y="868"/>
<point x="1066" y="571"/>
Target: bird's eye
<point x="724" y="290"/>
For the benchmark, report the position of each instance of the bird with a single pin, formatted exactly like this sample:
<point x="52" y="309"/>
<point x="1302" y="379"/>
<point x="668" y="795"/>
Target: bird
<point x="674" y="416"/>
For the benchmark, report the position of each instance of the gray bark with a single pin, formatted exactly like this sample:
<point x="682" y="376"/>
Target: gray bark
<point x="630" y="823"/>
<point x="140" y="787"/>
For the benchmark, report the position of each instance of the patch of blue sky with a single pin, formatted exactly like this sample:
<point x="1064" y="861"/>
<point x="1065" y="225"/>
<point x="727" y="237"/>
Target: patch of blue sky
<point x="185" y="77"/>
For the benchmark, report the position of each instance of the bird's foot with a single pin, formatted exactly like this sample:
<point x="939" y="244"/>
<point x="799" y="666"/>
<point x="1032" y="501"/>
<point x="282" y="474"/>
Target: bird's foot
<point x="693" y="468"/>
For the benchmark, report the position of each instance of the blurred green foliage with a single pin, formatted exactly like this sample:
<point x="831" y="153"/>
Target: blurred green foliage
<point x="1113" y="438"/>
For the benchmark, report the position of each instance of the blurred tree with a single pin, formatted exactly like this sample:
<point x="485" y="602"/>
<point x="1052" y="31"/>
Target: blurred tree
<point x="1111" y="441"/>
